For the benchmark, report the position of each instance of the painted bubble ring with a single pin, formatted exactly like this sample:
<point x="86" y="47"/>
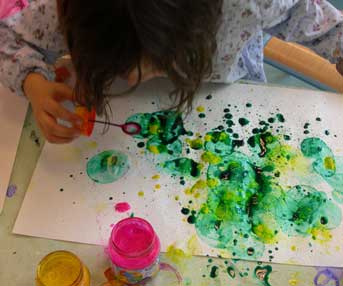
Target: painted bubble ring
<point x="108" y="166"/>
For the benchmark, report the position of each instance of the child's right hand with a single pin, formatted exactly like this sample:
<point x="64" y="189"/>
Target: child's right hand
<point x="46" y="98"/>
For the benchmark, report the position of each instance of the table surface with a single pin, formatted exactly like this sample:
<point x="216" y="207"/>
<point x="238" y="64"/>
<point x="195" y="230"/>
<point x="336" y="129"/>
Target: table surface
<point x="19" y="255"/>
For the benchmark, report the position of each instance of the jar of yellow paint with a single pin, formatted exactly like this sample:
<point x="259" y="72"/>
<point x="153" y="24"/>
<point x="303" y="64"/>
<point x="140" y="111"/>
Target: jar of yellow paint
<point x="62" y="268"/>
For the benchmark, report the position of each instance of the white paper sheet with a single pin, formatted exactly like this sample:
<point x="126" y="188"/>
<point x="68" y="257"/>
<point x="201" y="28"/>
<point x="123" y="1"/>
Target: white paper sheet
<point x="12" y="115"/>
<point x="63" y="203"/>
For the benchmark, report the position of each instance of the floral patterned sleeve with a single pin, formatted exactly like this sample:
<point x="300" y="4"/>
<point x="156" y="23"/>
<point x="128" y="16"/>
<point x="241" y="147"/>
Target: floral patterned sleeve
<point x="313" y="23"/>
<point x="29" y="42"/>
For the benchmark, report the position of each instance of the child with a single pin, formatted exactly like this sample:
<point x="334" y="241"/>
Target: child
<point x="187" y="41"/>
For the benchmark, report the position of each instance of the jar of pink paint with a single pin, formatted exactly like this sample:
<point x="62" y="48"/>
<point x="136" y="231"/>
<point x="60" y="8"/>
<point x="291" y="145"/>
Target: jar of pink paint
<point x="134" y="250"/>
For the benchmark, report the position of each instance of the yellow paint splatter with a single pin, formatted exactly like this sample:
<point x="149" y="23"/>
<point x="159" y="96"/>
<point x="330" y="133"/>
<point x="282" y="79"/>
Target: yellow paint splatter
<point x="293" y="248"/>
<point x="294" y="279"/>
<point x="99" y="208"/>
<point x="177" y="256"/>
<point x="210" y="158"/>
<point x="212" y="183"/>
<point x="329" y="163"/>
<point x="200" y="108"/>
<point x="153" y="149"/>
<point x="157" y="187"/>
<point x="193" y="245"/>
<point x="141" y="194"/>
<point x="177" y="198"/>
<point x="154" y="129"/>
<point x="195" y="144"/>
<point x="197" y="189"/>
<point x="322" y="235"/>
<point x="92" y="144"/>
<point x="156" y="177"/>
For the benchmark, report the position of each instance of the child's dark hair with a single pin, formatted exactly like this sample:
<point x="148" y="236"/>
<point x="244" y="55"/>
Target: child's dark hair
<point x="109" y="38"/>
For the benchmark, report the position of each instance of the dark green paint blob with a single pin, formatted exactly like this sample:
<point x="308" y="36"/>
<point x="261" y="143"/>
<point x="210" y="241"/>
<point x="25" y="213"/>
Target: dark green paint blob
<point x="107" y="167"/>
<point x="318" y="119"/>
<point x="287" y="137"/>
<point x="230" y="123"/>
<point x="327" y="132"/>
<point x="228" y="116"/>
<point x="202" y="115"/>
<point x="248" y="105"/>
<point x="243" y="121"/>
<point x="140" y="144"/>
<point x="185" y="211"/>
<point x="209" y="97"/>
<point x="263" y="274"/>
<point x="183" y="167"/>
<point x="214" y="272"/>
<point x="231" y="271"/>
<point x="307" y="125"/>
<point x="280" y="118"/>
<point x="271" y="120"/>
<point x="192" y="219"/>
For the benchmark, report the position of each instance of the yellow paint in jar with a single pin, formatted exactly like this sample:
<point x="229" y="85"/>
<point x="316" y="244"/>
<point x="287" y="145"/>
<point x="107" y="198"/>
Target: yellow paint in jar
<point x="62" y="268"/>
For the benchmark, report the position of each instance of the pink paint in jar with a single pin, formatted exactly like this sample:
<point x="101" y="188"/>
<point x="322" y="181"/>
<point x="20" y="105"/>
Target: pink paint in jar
<point x="134" y="250"/>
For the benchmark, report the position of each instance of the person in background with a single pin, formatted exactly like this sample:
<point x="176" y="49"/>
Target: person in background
<point x="187" y="41"/>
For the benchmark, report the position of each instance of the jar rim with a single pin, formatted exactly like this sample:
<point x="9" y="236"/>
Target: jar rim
<point x="134" y="254"/>
<point x="53" y="255"/>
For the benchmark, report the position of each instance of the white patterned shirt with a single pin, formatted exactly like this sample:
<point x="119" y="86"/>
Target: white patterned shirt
<point x="31" y="42"/>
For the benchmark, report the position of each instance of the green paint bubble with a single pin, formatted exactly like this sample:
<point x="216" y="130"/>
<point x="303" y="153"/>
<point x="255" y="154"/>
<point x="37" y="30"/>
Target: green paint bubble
<point x="324" y="163"/>
<point x="107" y="167"/>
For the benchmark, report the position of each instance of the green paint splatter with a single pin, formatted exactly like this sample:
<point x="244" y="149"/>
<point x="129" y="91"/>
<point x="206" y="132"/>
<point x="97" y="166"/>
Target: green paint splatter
<point x="140" y="144"/>
<point x="246" y="206"/>
<point x="185" y="211"/>
<point x="196" y="144"/>
<point x="183" y="167"/>
<point x="280" y="117"/>
<point x="214" y="272"/>
<point x="263" y="274"/>
<point x="243" y="121"/>
<point x="248" y="105"/>
<point x="202" y="115"/>
<point x="162" y="129"/>
<point x="231" y="271"/>
<point x="324" y="163"/>
<point x="107" y="167"/>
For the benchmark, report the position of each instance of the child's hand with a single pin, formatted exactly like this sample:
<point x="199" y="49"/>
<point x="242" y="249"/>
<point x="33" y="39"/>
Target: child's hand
<point x="46" y="98"/>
